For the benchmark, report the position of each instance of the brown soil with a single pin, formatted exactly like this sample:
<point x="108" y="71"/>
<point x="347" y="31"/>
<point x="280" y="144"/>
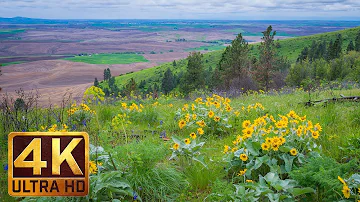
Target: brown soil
<point x="54" y="78"/>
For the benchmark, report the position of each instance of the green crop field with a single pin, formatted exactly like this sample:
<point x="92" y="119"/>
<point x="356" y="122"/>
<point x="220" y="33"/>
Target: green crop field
<point x="109" y="59"/>
<point x="206" y="48"/>
<point x="12" y="63"/>
<point x="11" y="31"/>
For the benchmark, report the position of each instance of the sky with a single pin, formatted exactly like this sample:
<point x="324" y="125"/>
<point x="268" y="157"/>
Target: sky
<point x="183" y="9"/>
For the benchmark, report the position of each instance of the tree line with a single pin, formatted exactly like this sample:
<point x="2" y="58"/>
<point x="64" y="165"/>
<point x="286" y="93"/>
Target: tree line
<point x="240" y="70"/>
<point x="326" y="61"/>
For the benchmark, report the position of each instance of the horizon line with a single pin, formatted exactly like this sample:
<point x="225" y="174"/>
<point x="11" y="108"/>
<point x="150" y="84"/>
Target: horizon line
<point x="185" y="19"/>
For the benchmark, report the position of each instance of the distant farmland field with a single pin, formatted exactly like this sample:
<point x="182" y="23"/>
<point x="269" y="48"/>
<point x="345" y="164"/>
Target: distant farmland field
<point x="109" y="59"/>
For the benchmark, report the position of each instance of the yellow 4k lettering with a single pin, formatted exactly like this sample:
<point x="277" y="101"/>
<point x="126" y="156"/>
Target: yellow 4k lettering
<point x="58" y="158"/>
<point x="36" y="163"/>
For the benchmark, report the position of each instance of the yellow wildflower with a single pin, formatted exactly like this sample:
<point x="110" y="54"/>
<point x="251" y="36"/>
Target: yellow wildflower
<point x="346" y="191"/>
<point x="187" y="141"/>
<point x="243" y="157"/>
<point x="211" y="114"/>
<point x="93" y="167"/>
<point x="200" y="131"/>
<point x="315" y="134"/>
<point x="193" y="135"/>
<point x="182" y="123"/>
<point x="242" y="172"/>
<point x="176" y="146"/>
<point x="293" y="152"/>
<point x="226" y="149"/>
<point x="265" y="146"/>
<point x="341" y="180"/>
<point x="201" y="123"/>
<point x="194" y="116"/>
<point x="246" y="124"/>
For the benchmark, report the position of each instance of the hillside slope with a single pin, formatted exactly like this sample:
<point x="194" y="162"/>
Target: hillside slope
<point x="289" y="48"/>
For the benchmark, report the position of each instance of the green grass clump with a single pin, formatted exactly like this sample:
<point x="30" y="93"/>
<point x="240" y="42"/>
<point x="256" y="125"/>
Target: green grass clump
<point x="109" y="59"/>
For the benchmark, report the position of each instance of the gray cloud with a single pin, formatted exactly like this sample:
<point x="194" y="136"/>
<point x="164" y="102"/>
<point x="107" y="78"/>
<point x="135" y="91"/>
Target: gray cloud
<point x="222" y="9"/>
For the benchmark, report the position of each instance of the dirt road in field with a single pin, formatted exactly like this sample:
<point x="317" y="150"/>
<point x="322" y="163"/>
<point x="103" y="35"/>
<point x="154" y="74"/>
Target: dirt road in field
<point x="54" y="78"/>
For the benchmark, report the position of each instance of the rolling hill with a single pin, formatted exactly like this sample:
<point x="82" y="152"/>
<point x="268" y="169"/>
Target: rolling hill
<point x="289" y="48"/>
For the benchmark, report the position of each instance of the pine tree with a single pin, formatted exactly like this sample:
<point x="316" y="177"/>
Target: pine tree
<point x="264" y="70"/>
<point x="357" y="42"/>
<point x="108" y="73"/>
<point x="111" y="82"/>
<point x="142" y="84"/>
<point x="168" y="81"/>
<point x="174" y="63"/>
<point x="337" y="47"/>
<point x="130" y="87"/>
<point x="194" y="76"/>
<point x="234" y="63"/>
<point x="105" y="74"/>
<point x="330" y="51"/>
<point x="96" y="82"/>
<point x="149" y="90"/>
<point x="350" y="47"/>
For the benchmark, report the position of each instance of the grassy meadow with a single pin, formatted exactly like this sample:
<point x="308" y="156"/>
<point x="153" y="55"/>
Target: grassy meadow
<point x="109" y="58"/>
<point x="136" y="138"/>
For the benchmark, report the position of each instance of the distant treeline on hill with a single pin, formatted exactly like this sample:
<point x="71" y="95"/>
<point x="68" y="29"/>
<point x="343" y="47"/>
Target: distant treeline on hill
<point x="324" y="61"/>
<point x="321" y="62"/>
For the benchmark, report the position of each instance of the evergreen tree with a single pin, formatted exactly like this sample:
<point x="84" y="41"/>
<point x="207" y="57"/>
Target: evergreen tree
<point x="330" y="51"/>
<point x="96" y="82"/>
<point x="107" y="92"/>
<point x="108" y="74"/>
<point x="156" y="90"/>
<point x="168" y="82"/>
<point x="357" y="42"/>
<point x="194" y="75"/>
<point x="337" y="47"/>
<point x="149" y="90"/>
<point x="234" y="63"/>
<point x="350" y="47"/>
<point x="174" y="63"/>
<point x="111" y="82"/>
<point x="105" y="74"/>
<point x="142" y="84"/>
<point x="303" y="55"/>
<point x="264" y="70"/>
<point x="130" y="87"/>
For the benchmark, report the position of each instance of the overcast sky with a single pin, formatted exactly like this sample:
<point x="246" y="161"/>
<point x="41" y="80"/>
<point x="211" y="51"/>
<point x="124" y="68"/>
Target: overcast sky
<point x="183" y="9"/>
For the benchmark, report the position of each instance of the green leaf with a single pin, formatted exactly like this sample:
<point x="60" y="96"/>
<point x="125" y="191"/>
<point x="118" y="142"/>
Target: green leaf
<point x="288" y="161"/>
<point x="253" y="147"/>
<point x="299" y="191"/>
<point x="285" y="149"/>
<point x="271" y="177"/>
<point x="273" y="197"/>
<point x="260" y="160"/>
<point x="177" y="140"/>
<point x="200" y="159"/>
